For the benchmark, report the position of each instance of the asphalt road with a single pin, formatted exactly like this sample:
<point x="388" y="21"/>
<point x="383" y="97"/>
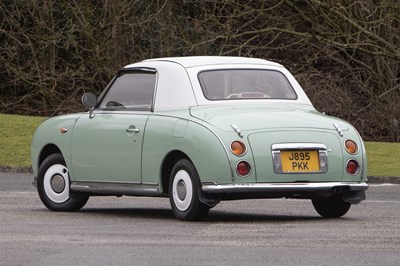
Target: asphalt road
<point x="143" y="231"/>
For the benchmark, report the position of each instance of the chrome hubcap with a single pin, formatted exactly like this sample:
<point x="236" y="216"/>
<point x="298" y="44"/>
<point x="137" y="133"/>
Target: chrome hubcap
<point x="181" y="190"/>
<point x="57" y="183"/>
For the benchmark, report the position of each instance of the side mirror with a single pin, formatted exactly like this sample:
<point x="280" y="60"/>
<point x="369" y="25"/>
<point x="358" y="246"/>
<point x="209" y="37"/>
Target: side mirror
<point x="89" y="100"/>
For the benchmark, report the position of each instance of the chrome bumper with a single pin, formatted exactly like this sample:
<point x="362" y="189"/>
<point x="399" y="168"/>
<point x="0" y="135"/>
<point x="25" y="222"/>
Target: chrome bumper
<point x="284" y="187"/>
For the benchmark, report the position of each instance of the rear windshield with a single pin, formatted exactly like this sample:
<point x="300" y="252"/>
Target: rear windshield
<point x="230" y="84"/>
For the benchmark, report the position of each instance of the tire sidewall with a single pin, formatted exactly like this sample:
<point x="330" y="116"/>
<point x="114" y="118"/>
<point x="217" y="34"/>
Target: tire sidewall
<point x="67" y="200"/>
<point x="196" y="208"/>
<point x="333" y="207"/>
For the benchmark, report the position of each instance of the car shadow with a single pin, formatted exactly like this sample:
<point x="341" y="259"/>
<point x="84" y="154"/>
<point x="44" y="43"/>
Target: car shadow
<point x="148" y="213"/>
<point x="214" y="216"/>
<point x="226" y="216"/>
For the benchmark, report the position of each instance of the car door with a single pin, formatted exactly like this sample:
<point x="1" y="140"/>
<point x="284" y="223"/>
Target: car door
<point x="107" y="146"/>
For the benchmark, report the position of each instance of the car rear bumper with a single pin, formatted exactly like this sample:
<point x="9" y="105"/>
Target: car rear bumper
<point x="284" y="187"/>
<point x="289" y="190"/>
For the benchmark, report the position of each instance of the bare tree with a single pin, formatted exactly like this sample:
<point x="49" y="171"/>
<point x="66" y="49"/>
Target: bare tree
<point x="344" y="53"/>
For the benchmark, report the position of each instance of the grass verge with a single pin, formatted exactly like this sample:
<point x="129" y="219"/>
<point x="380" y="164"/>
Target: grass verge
<point x="383" y="159"/>
<point x="15" y="139"/>
<point x="16" y="135"/>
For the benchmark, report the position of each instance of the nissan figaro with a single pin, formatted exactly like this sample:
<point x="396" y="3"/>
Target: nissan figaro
<point x="200" y="130"/>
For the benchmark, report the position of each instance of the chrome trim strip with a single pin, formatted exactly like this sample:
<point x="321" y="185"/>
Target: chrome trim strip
<point x="338" y="129"/>
<point x="105" y="188"/>
<point x="298" y="146"/>
<point x="282" y="187"/>
<point x="237" y="130"/>
<point x="364" y="159"/>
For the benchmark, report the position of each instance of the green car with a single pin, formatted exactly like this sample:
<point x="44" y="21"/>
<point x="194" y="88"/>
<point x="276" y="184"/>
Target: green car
<point x="200" y="130"/>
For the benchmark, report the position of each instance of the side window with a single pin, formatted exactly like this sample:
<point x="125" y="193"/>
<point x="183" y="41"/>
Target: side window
<point x="132" y="91"/>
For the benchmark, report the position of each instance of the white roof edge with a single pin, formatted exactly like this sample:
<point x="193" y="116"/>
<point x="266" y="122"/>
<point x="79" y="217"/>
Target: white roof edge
<point x="192" y="61"/>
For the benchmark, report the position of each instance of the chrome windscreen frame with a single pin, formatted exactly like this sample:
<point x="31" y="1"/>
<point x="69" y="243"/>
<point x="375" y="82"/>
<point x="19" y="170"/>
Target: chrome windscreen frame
<point x="322" y="154"/>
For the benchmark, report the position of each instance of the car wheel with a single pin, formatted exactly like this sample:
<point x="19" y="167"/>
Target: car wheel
<point x="185" y="191"/>
<point x="53" y="186"/>
<point x="332" y="207"/>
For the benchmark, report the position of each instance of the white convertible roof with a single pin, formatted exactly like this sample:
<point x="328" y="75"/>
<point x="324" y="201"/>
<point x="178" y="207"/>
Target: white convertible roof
<point x="178" y="85"/>
<point x="195" y="61"/>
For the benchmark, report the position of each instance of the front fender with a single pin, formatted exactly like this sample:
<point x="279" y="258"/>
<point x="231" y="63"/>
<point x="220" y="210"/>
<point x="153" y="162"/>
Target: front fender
<point x="49" y="136"/>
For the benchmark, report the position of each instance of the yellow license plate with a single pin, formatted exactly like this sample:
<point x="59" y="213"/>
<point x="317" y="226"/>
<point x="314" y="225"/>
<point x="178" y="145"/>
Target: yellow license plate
<point x="300" y="161"/>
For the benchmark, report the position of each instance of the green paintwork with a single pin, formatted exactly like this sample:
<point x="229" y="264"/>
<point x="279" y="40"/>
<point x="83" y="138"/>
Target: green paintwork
<point x="264" y="125"/>
<point x="48" y="133"/>
<point x="266" y="116"/>
<point x="198" y="143"/>
<point x="101" y="150"/>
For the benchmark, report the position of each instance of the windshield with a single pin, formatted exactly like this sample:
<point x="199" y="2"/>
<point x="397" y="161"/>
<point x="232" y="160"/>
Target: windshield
<point x="245" y="84"/>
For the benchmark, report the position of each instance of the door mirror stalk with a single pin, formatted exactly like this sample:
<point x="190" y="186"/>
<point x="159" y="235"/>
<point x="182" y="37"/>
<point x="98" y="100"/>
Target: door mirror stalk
<point x="90" y="101"/>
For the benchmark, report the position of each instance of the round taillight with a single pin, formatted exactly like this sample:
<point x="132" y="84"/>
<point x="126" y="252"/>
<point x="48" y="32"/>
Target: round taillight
<point x="352" y="167"/>
<point x="238" y="148"/>
<point x="351" y="146"/>
<point x="243" y="168"/>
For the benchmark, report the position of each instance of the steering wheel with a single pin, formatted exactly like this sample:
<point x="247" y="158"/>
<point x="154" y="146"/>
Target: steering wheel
<point x="113" y="104"/>
<point x="248" y="95"/>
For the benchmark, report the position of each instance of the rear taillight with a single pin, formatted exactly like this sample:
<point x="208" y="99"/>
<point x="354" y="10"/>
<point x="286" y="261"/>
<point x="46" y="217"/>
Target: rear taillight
<point x="243" y="168"/>
<point x="352" y="167"/>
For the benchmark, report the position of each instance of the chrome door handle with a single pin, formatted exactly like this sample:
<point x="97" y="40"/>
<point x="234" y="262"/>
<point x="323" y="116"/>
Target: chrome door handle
<point x="132" y="129"/>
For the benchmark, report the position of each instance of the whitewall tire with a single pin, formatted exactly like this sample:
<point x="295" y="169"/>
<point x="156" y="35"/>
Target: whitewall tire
<point x="185" y="192"/>
<point x="53" y="186"/>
